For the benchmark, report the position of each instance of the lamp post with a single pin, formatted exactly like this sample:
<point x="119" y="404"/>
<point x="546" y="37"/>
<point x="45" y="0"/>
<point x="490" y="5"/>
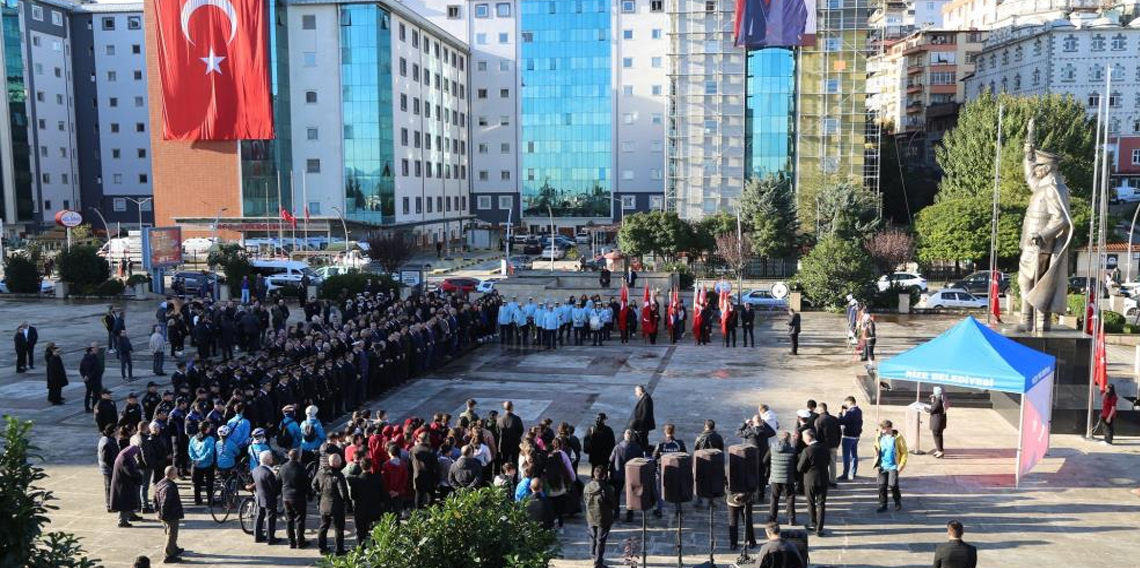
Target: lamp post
<point x="106" y="229"/>
<point x="217" y="220"/>
<point x="344" y="226"/>
<point x="139" y="203"/>
<point x="551" y="213"/>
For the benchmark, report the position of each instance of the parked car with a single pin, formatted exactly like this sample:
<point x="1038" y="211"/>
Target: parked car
<point x="520" y="238"/>
<point x="1126" y="194"/>
<point x="520" y="262"/>
<point x="460" y="285"/>
<point x="953" y="299"/>
<point x="561" y="241"/>
<point x="486" y="286"/>
<point x="325" y="271"/>
<point x="197" y="246"/>
<point x="553" y="252"/>
<point x="532" y="247"/>
<point x="291" y="270"/>
<point x="904" y="280"/>
<point x="46" y="287"/>
<point x="191" y="282"/>
<point x="582" y="238"/>
<point x="978" y="283"/>
<point x="1080" y="285"/>
<point x="764" y="300"/>
<point x="1130" y="307"/>
<point x="591" y="264"/>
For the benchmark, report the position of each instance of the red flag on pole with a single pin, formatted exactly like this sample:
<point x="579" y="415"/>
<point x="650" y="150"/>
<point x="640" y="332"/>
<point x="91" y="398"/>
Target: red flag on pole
<point x="646" y="320"/>
<point x="306" y="213"/>
<point x="995" y="300"/>
<point x="1089" y="312"/>
<point x="288" y="217"/>
<point x="1100" y="371"/>
<point x="623" y="314"/>
<point x="725" y="311"/>
<point x="213" y="61"/>
<point x="698" y="313"/>
<point x="671" y="310"/>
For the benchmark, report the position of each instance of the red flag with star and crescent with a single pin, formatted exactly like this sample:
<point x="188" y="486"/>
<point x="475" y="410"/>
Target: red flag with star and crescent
<point x="213" y="60"/>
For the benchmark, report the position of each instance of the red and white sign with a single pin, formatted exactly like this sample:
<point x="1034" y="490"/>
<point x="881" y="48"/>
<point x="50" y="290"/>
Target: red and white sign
<point x="68" y="218"/>
<point x="213" y="59"/>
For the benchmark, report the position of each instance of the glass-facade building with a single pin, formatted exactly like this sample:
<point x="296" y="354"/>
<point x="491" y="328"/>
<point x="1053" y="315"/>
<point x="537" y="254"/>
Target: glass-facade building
<point x="16" y="91"/>
<point x="770" y="112"/>
<point x="266" y="164"/>
<point x="366" y="103"/>
<point x="567" y="117"/>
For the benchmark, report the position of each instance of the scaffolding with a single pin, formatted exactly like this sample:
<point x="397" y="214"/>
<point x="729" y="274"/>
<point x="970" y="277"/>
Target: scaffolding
<point x="705" y="133"/>
<point x="837" y="138"/>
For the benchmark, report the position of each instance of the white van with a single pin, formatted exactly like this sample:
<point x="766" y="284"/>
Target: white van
<point x="280" y="273"/>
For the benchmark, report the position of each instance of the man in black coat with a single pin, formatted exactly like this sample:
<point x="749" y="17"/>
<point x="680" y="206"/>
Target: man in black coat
<point x="25" y="340"/>
<point x="168" y="505"/>
<point x="467" y="471"/>
<point x="295" y="487"/>
<point x="330" y="485"/>
<point x="510" y="434"/>
<point x="599" y="441"/>
<point x="625" y="450"/>
<point x="794" y="330"/>
<point x="425" y="471"/>
<point x="266" y="488"/>
<point x="126" y="350"/>
<point x="105" y="412"/>
<point x="369" y="497"/>
<point x="91" y="369"/>
<point x="829" y="433"/>
<point x="813" y="464"/>
<point x="955" y="553"/>
<point x="642" y="422"/>
<point x="747" y="323"/>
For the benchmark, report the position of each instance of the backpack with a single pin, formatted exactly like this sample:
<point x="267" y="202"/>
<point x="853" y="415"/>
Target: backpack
<point x="285" y="437"/>
<point x="309" y="434"/>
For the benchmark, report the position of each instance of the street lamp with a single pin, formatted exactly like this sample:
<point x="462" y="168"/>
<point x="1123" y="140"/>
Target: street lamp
<point x="217" y="220"/>
<point x="344" y="226"/>
<point x="139" y="203"/>
<point x="106" y="229"/>
<point x="551" y="212"/>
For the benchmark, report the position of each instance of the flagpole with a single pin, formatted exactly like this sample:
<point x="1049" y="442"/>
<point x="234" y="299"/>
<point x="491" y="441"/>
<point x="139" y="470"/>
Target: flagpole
<point x="305" y="207"/>
<point x="280" y="208"/>
<point x="1100" y="197"/>
<point x="994" y="216"/>
<point x="292" y="204"/>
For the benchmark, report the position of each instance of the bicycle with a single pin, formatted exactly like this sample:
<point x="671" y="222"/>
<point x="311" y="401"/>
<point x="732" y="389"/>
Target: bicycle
<point x="227" y="492"/>
<point x="247" y="510"/>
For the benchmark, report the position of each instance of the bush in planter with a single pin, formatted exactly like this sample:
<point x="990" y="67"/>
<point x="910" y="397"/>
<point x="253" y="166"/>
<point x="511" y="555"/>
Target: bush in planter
<point x="1113" y="322"/>
<point x="833" y="269"/>
<point x="234" y="264"/>
<point x="483" y="528"/>
<point x="889" y="299"/>
<point x="109" y="287"/>
<point x="82" y="267"/>
<point x="137" y="279"/>
<point x="21" y="275"/>
<point x="354" y="283"/>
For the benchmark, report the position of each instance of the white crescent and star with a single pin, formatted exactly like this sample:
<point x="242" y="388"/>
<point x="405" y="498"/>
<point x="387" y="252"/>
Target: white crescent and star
<point x="212" y="61"/>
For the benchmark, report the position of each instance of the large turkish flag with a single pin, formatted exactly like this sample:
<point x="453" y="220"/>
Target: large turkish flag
<point x="214" y="65"/>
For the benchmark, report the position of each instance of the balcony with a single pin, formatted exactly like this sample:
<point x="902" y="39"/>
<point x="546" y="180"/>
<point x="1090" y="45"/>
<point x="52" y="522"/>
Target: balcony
<point x="914" y="108"/>
<point x="913" y="69"/>
<point x="912" y="88"/>
<point x="941" y="110"/>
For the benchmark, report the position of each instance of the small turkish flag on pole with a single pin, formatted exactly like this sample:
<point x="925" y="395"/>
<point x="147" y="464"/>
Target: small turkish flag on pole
<point x="995" y="301"/>
<point x="288" y="217"/>
<point x="213" y="60"/>
<point x="1100" y="371"/>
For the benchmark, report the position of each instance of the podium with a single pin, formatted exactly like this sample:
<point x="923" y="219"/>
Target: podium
<point x="912" y="426"/>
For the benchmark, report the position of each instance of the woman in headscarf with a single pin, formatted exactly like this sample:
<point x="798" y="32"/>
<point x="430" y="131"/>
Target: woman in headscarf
<point x="56" y="374"/>
<point x="125" y="482"/>
<point x="1108" y="412"/>
<point x="938" y="406"/>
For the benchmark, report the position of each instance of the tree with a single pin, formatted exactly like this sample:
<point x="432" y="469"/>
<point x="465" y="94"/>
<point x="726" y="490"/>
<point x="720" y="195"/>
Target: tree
<point x="635" y="238"/>
<point x="890" y="248"/>
<point x="23" y="541"/>
<point x="959" y="230"/>
<point x="835" y="268"/>
<point x="907" y="186"/>
<point x="705" y="232"/>
<point x="82" y="267"/>
<point x="390" y="250"/>
<point x="481" y="528"/>
<point x="21" y="274"/>
<point x="233" y="262"/>
<point x="768" y="208"/>
<point x="967" y="152"/>
<point x="662" y="233"/>
<point x="848" y="211"/>
<point x="735" y="251"/>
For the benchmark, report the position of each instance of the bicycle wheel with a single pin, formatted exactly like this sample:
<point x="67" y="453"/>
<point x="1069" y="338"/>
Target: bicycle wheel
<point x="247" y="515"/>
<point x="225" y="501"/>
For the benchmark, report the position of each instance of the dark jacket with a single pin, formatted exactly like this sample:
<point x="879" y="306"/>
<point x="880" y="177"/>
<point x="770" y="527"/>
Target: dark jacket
<point x="333" y="491"/>
<point x="814" y="461"/>
<point x="107" y="451"/>
<point x="956" y="554"/>
<point x="510" y="433"/>
<point x="425" y="468"/>
<point x="622" y="453"/>
<point x="937" y="412"/>
<point x="56" y="374"/>
<point x="827" y="426"/>
<point x="642" y="420"/>
<point x="601" y="502"/>
<point x="294" y="481"/>
<point x="782" y="464"/>
<point x="709" y="440"/>
<point x="125" y="481"/>
<point x="599" y="443"/>
<point x="367" y="491"/>
<point x="167" y="503"/>
<point x="780" y="554"/>
<point x="125" y="347"/>
<point x="852" y="422"/>
<point x="794" y="324"/>
<point x="265" y="486"/>
<point x="466" y="472"/>
<point x="91" y="369"/>
<point x="105" y="413"/>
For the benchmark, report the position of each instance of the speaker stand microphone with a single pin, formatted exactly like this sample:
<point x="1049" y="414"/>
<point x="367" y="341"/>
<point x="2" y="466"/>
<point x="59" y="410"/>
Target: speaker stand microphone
<point x="712" y="538"/>
<point x="644" y="536"/>
<point x="679" y="545"/>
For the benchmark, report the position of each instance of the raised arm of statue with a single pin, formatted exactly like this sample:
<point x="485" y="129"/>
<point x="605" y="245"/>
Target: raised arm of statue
<point x="1030" y="151"/>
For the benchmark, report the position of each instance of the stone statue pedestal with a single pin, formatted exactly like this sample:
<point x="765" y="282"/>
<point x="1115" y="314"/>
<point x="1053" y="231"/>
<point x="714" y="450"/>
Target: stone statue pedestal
<point x="1073" y="351"/>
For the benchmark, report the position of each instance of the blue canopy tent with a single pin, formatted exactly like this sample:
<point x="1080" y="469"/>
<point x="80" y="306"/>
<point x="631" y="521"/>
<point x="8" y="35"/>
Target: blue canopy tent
<point x="974" y="356"/>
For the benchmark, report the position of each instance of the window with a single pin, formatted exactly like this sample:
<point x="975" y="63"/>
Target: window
<point x="138" y="75"/>
<point x="1119" y="43"/>
<point x="627" y="145"/>
<point x="504" y="38"/>
<point x="119" y="204"/>
<point x="1098" y="43"/>
<point x="38" y="15"/>
<point x="655" y="62"/>
<point x="482" y="11"/>
<point x="1068" y="73"/>
<point x="710" y="87"/>
<point x="46" y="178"/>
<point x="309" y="22"/>
<point x="656" y="5"/>
<point x="143" y="179"/>
<point x="452" y="14"/>
<point x="627" y="90"/>
<point x="656" y="90"/>
<point x="504" y="93"/>
<point x="312" y="133"/>
<point x="481" y="93"/>
<point x="403" y="67"/>
<point x="142" y="153"/>
<point x="1136" y="156"/>
<point x="404" y="169"/>
<point x="628" y="6"/>
<point x="628" y="201"/>
<point x="419" y="205"/>
<point x="483" y="175"/>
<point x="117" y="179"/>
<point x="313" y="166"/>
<point x="1069" y="43"/>
<point x="480" y="39"/>
<point x="655" y="173"/>
<point x="627" y="174"/>
<point x="830" y="125"/>
<point x="403" y="32"/>
<point x="627" y="62"/>
<point x="114" y="126"/>
<point x="311" y="97"/>
<point x="407" y="205"/>
<point x="656" y="33"/>
<point x="655" y="118"/>
<point x="430" y="203"/>
<point x="115" y="153"/>
<point x="483" y="202"/>
<point x="505" y="148"/>
<point x="502" y="10"/>
<point x="505" y="175"/>
<point x="140" y="127"/>
<point x="627" y="118"/>
<point x="527" y="37"/>
<point x="656" y="201"/>
<point x="134" y="22"/>
<point x="942" y="78"/>
<point x="1094" y="99"/>
<point x="309" y="58"/>
<point x="627" y="34"/>
<point x="56" y="18"/>
<point x="112" y="76"/>
<point x="109" y="50"/>
<point x="504" y="120"/>
<point x="506" y="201"/>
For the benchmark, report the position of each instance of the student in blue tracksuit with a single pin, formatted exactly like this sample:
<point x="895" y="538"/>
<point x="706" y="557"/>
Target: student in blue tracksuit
<point x="504" y="321"/>
<point x="532" y="325"/>
<point x="226" y="452"/>
<point x="239" y="426"/>
<point x="607" y="321"/>
<point x="579" y="317"/>
<point x="289" y="424"/>
<point x="201" y="450"/>
<point x="312" y="436"/>
<point x="258" y="445"/>
<point x="597" y="322"/>
<point x="520" y="325"/>
<point x="564" y="314"/>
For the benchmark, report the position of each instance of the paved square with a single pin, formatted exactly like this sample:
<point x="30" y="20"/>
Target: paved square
<point x="1073" y="510"/>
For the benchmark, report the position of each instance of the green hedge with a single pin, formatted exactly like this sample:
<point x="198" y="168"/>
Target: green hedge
<point x="110" y="287"/>
<point x="82" y="266"/>
<point x="1113" y="322"/>
<point x="21" y="275"/>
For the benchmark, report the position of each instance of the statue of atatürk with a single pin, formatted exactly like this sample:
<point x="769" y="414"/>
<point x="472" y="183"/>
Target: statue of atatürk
<point x="1046" y="234"/>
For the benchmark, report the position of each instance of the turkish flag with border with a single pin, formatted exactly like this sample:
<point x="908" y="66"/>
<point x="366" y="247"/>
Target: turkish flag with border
<point x="213" y="59"/>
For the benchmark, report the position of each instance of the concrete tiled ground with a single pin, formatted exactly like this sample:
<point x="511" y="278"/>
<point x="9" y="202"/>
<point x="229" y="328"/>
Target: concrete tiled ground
<point x="1074" y="510"/>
